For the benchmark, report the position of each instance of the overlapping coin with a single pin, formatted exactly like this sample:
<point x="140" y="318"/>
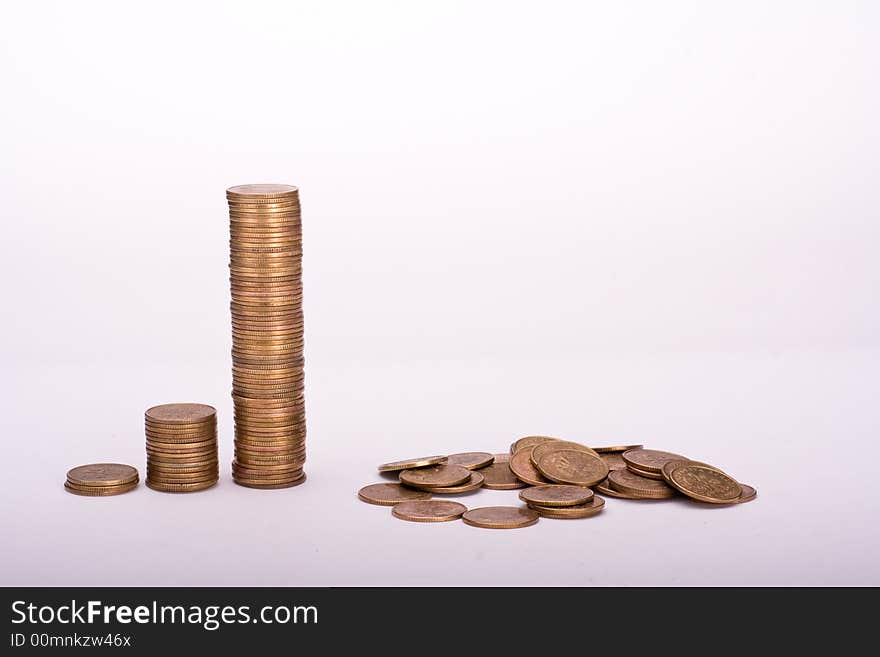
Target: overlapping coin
<point x="268" y="378"/>
<point x="181" y="442"/>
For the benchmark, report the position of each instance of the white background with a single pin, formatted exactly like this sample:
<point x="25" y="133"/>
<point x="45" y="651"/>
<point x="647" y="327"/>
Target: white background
<point x="647" y="222"/>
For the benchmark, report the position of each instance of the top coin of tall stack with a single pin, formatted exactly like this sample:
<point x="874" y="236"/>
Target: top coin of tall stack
<point x="267" y="335"/>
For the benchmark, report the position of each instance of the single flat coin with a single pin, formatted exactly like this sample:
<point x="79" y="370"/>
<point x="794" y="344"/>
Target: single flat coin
<point x="476" y="481"/>
<point x="705" y="483"/>
<point x="556" y="495"/>
<point x="616" y="448"/>
<point x="428" y="510"/>
<point x="634" y="485"/>
<point x="100" y="491"/>
<point x="435" y="476"/>
<point x="408" y="464"/>
<point x="574" y="467"/>
<point x="247" y="483"/>
<point x="501" y="517"/>
<point x="180" y="488"/>
<point x="471" y="460"/>
<point x="390" y="494"/>
<point x="522" y="466"/>
<point x="538" y="451"/>
<point x="529" y="441"/>
<point x="102" y="474"/>
<point x="499" y="476"/>
<point x="181" y="413"/>
<point x="249" y="193"/>
<point x="651" y="460"/>
<point x="613" y="460"/>
<point x="586" y="510"/>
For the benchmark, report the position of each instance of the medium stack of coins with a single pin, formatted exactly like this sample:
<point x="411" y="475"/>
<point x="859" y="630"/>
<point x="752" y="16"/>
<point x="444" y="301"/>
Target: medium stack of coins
<point x="267" y="335"/>
<point x="181" y="447"/>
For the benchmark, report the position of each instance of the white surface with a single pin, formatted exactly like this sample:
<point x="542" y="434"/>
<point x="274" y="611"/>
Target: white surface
<point x="609" y="223"/>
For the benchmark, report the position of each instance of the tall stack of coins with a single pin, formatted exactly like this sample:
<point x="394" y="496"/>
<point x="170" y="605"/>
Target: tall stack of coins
<point x="267" y="335"/>
<point x="181" y="447"/>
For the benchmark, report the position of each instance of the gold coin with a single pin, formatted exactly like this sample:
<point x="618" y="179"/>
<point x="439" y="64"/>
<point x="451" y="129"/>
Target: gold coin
<point x="176" y="414"/>
<point x="270" y="439"/>
<point x="574" y="467"/>
<point x="616" y="448"/>
<point x="252" y="193"/>
<point x="647" y="474"/>
<point x="501" y="517"/>
<point x="259" y="446"/>
<point x="499" y="476"/>
<point x="100" y="491"/>
<point x="268" y="485"/>
<point x="747" y="495"/>
<point x="390" y="494"/>
<point x="102" y="474"/>
<point x="266" y="476"/>
<point x="180" y="488"/>
<point x="704" y="483"/>
<point x="428" y="510"/>
<point x="178" y="446"/>
<point x="556" y="495"/>
<point x="522" y="466"/>
<point x="586" y="510"/>
<point x="187" y="451"/>
<point x="538" y="451"/>
<point x="613" y="460"/>
<point x="634" y="485"/>
<point x="473" y="483"/>
<point x="180" y="438"/>
<point x="286" y="257"/>
<point x="275" y="217"/>
<point x="435" y="476"/>
<point x="650" y="460"/>
<point x="187" y="478"/>
<point x="288" y="424"/>
<point x="159" y="457"/>
<point x="255" y="461"/>
<point x="267" y="204"/>
<point x="265" y="406"/>
<point x="408" y="464"/>
<point x="606" y="489"/>
<point x="530" y="441"/>
<point x="195" y="467"/>
<point x="471" y="460"/>
<point x="275" y="467"/>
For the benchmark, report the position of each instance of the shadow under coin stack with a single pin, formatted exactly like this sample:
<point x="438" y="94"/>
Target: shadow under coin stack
<point x="267" y="335"/>
<point x="181" y="447"/>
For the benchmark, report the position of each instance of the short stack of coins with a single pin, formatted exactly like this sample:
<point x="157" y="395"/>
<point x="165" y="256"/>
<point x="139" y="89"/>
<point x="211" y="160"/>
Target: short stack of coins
<point x="267" y="335"/>
<point x="101" y="479"/>
<point x="181" y="447"/>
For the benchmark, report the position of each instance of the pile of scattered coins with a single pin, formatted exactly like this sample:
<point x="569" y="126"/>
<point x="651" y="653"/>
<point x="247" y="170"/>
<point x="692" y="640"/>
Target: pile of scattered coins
<point x="558" y="479"/>
<point x="181" y="447"/>
<point x="101" y="479"/>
